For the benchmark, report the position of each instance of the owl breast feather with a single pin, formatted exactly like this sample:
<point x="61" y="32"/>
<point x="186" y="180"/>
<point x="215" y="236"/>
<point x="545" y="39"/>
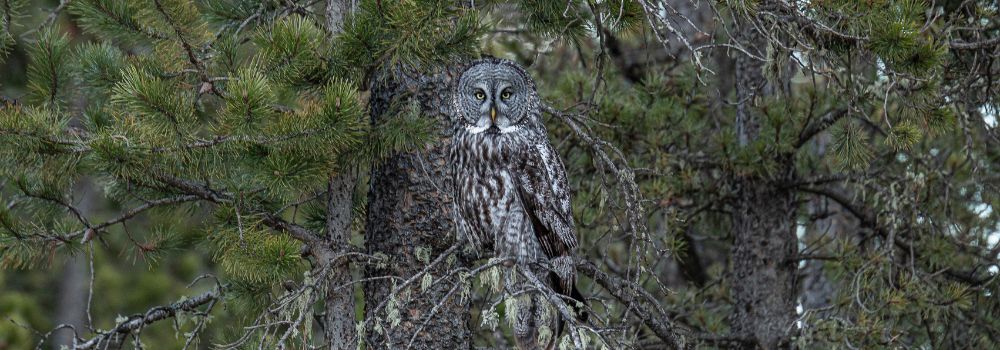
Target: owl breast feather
<point x="491" y="212"/>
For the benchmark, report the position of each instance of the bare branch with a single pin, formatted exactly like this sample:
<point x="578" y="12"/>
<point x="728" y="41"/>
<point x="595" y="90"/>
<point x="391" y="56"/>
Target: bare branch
<point x="642" y="303"/>
<point x="153" y="315"/>
<point x="974" y="45"/>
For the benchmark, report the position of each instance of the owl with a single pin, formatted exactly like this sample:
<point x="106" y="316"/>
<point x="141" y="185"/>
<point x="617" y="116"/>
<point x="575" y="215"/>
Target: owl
<point x="512" y="198"/>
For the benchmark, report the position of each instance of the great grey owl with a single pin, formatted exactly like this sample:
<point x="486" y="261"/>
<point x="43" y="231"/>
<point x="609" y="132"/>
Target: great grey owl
<point x="511" y="195"/>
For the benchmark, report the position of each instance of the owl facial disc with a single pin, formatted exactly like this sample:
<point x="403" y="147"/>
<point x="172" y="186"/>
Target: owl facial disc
<point x="494" y="96"/>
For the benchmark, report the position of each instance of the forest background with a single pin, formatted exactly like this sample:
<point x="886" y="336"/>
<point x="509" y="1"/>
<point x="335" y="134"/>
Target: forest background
<point x="269" y="174"/>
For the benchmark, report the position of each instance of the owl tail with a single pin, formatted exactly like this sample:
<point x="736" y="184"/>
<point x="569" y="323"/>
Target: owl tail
<point x="568" y="288"/>
<point x="581" y="310"/>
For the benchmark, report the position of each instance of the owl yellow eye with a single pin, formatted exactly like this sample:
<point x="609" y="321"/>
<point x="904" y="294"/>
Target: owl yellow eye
<point x="480" y="95"/>
<point x="505" y="94"/>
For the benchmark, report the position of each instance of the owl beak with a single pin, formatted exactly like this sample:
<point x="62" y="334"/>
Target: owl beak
<point x="493" y="114"/>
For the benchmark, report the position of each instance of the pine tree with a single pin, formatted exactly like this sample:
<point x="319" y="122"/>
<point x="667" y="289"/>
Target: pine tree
<point x="250" y="108"/>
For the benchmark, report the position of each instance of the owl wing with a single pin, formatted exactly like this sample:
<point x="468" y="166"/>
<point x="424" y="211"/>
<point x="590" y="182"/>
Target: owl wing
<point x="465" y="230"/>
<point x="544" y="193"/>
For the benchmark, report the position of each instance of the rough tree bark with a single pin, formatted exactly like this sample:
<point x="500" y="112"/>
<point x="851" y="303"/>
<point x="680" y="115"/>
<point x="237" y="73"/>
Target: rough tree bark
<point x="409" y="210"/>
<point x="750" y="83"/>
<point x="336" y="11"/>
<point x="339" y="321"/>
<point x="764" y="283"/>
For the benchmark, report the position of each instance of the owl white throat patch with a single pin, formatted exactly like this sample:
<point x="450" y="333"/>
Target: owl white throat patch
<point x="475" y="129"/>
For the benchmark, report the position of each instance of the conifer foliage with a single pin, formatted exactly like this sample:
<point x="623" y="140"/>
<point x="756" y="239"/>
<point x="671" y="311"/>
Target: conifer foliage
<point x="236" y="111"/>
<point x="746" y="173"/>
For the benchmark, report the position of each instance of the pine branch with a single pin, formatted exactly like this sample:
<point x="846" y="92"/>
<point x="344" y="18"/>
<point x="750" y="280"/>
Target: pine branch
<point x="417" y="276"/>
<point x="221" y="139"/>
<point x="122" y="20"/>
<point x="53" y="15"/>
<point x="219" y="197"/>
<point x="61" y="202"/>
<point x="7" y="16"/>
<point x="817" y="127"/>
<point x="47" y="72"/>
<point x="76" y="146"/>
<point x="638" y="300"/>
<point x="626" y="176"/>
<point x="203" y="191"/>
<point x="188" y="48"/>
<point x="869" y="219"/>
<point x="130" y="214"/>
<point x="961" y="45"/>
<point x="814" y="28"/>
<point x="556" y="299"/>
<point x="155" y="314"/>
<point x="296" y="231"/>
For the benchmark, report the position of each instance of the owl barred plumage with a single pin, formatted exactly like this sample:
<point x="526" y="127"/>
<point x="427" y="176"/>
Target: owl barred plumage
<point x="511" y="190"/>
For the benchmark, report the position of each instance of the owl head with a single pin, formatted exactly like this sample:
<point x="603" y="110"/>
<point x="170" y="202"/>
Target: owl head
<point x="495" y="96"/>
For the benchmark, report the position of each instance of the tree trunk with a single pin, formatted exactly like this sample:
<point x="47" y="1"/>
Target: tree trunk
<point x="409" y="212"/>
<point x="749" y="83"/>
<point x="74" y="282"/>
<point x="73" y="289"/>
<point x="764" y="284"/>
<point x="336" y="10"/>
<point x="340" y="318"/>
<point x="339" y="321"/>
